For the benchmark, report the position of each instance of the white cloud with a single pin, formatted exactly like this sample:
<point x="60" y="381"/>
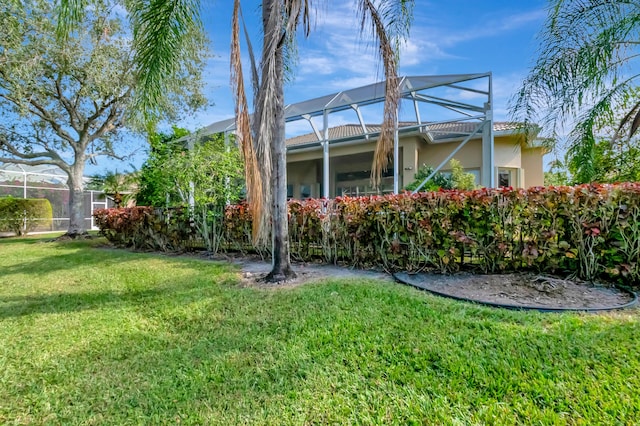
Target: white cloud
<point x="417" y="51"/>
<point x="504" y="87"/>
<point x="336" y="57"/>
<point x="487" y="27"/>
<point x="431" y="41"/>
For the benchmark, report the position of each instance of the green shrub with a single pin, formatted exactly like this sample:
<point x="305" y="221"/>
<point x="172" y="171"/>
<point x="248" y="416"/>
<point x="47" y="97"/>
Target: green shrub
<point x="22" y="216"/>
<point x="456" y="178"/>
<point x="588" y="231"/>
<point x="461" y="179"/>
<point x="146" y="228"/>
<point x="438" y="181"/>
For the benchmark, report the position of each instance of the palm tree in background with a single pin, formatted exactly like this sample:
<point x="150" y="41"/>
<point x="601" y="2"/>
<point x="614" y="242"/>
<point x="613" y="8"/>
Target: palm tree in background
<point x="160" y="27"/>
<point x="586" y="71"/>
<point x="118" y="187"/>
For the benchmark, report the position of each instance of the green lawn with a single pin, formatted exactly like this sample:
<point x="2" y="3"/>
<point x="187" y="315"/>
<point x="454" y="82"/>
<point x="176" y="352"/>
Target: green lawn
<point x="99" y="336"/>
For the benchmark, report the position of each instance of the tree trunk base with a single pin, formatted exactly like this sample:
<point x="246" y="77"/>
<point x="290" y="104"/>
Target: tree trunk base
<point x="75" y="236"/>
<point x="279" y="275"/>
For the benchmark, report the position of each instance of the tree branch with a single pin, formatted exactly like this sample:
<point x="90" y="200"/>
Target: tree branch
<point x="99" y="110"/>
<point x="61" y="165"/>
<point x="106" y="153"/>
<point x="73" y="116"/>
<point x="41" y="112"/>
<point x="106" y="126"/>
<point x="32" y="158"/>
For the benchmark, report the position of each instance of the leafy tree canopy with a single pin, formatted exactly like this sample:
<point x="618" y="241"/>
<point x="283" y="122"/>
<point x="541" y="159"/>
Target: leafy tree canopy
<point x="155" y="185"/>
<point x="210" y="171"/>
<point x="65" y="101"/>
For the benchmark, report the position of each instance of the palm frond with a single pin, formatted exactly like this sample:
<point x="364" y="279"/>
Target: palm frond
<point x="297" y="12"/>
<point x="166" y="34"/>
<point x="70" y="13"/>
<point x="581" y="157"/>
<point x="255" y="81"/>
<point x="582" y="139"/>
<point x="633" y="117"/>
<point x="253" y="175"/>
<point x="585" y="49"/>
<point x="388" y="24"/>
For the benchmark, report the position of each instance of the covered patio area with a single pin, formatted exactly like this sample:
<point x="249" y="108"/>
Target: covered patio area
<point x="328" y="158"/>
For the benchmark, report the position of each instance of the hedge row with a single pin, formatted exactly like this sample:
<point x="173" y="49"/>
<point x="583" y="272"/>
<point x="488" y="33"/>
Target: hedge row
<point x="146" y="228"/>
<point x="23" y="215"/>
<point x="590" y="231"/>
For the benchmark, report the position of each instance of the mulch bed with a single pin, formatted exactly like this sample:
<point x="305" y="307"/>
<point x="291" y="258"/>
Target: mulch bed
<point x="522" y="290"/>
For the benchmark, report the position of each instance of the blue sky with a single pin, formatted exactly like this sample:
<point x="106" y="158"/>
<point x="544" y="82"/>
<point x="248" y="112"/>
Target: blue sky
<point x="447" y="37"/>
<point x="452" y="37"/>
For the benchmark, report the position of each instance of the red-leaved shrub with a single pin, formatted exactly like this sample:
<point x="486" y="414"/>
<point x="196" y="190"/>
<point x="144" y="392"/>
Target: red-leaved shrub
<point x="590" y="231"/>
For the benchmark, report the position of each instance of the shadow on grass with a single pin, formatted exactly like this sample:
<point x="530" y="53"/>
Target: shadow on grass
<point x="7" y="241"/>
<point x="83" y="254"/>
<point x="43" y="265"/>
<point x="183" y="291"/>
<point x="304" y="360"/>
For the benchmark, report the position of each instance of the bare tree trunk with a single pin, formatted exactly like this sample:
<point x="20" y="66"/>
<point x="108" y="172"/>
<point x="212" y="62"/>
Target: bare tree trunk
<point x="76" y="201"/>
<point x="281" y="261"/>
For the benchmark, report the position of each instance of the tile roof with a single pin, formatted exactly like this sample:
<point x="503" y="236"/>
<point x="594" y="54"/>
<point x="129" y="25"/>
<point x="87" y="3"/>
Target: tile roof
<point x="437" y="131"/>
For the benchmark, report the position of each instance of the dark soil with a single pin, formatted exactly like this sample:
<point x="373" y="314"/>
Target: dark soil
<point x="524" y="290"/>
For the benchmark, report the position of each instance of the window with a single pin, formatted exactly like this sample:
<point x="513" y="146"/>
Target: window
<point x="305" y="191"/>
<point x="475" y="173"/>
<point x="358" y="183"/>
<point x="507" y="177"/>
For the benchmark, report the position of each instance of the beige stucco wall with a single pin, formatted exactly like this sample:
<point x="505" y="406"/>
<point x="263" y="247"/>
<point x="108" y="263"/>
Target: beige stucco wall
<point x="532" y="165"/>
<point x="305" y="167"/>
<point x="410" y="159"/>
<point x="470" y="155"/>
<point x="507" y="153"/>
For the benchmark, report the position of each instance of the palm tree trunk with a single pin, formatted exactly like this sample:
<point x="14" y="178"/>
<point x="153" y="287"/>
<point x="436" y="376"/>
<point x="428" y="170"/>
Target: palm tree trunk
<point x="281" y="262"/>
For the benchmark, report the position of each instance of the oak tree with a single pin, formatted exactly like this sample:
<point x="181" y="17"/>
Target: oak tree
<point x="66" y="100"/>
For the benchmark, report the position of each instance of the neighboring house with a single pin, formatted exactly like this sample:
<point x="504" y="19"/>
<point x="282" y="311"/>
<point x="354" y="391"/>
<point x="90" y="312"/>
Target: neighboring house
<point x="48" y="181"/>
<point x="517" y="163"/>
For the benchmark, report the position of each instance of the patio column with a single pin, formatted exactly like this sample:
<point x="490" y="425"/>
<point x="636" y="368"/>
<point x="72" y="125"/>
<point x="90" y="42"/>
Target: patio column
<point x="396" y="157"/>
<point x="325" y="154"/>
<point x="487" y="176"/>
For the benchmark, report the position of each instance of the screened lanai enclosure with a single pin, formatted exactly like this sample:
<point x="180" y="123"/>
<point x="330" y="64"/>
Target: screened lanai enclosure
<point x="331" y="139"/>
<point x="48" y="182"/>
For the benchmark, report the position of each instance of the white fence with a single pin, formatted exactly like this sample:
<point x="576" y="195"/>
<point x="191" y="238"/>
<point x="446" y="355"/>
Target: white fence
<point x="53" y="187"/>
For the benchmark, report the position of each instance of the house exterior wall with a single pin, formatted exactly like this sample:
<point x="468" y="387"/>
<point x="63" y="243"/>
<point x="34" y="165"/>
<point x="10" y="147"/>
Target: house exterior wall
<point x="305" y="167"/>
<point x="507" y="152"/>
<point x="301" y="174"/>
<point x="470" y="155"/>
<point x="532" y="166"/>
